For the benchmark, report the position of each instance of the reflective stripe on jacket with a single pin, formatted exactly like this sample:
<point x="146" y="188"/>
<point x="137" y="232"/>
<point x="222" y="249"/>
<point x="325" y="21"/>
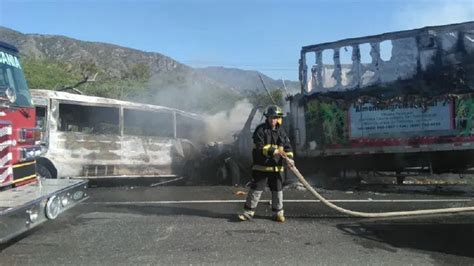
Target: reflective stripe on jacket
<point x="263" y="168"/>
<point x="266" y="141"/>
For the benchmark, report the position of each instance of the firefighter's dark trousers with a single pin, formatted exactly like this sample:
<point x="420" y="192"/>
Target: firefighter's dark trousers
<point x="259" y="181"/>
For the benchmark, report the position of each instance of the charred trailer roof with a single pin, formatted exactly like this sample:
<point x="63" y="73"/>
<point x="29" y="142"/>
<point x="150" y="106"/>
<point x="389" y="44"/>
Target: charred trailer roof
<point x="421" y="55"/>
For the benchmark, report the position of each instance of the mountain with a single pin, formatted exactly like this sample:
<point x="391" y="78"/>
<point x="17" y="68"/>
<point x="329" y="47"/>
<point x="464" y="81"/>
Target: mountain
<point x="162" y="80"/>
<point x="116" y="60"/>
<point x="244" y="80"/>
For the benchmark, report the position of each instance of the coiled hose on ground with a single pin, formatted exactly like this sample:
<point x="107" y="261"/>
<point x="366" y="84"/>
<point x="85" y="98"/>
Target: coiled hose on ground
<point x="303" y="181"/>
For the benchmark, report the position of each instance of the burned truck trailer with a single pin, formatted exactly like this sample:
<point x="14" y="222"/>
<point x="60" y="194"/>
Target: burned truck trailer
<point x="387" y="102"/>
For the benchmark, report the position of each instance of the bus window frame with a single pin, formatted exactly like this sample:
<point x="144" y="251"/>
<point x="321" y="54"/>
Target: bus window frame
<point x="172" y="114"/>
<point x="58" y="102"/>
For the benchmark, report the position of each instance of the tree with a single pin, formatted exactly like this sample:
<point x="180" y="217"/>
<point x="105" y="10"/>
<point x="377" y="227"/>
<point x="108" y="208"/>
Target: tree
<point x="48" y="74"/>
<point x="139" y="72"/>
<point x="88" y="71"/>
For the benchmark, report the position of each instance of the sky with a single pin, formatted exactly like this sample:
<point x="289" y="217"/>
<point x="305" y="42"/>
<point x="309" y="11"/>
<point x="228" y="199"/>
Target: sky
<point x="258" y="35"/>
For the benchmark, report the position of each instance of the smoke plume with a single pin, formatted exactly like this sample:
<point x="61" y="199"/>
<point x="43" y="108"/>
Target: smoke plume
<point x="224" y="125"/>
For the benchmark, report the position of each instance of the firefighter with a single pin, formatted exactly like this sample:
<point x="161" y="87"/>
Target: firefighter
<point x="270" y="143"/>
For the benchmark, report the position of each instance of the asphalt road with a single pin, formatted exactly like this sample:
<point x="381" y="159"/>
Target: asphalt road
<point x="197" y="225"/>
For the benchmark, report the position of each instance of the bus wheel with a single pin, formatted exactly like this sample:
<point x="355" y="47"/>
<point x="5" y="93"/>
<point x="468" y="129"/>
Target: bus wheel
<point x="43" y="172"/>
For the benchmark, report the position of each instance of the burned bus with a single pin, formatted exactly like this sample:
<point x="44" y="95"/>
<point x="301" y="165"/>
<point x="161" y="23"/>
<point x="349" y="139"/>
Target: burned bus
<point x="95" y="137"/>
<point x="389" y="102"/>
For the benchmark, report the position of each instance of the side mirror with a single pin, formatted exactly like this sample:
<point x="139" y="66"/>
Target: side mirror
<point x="7" y="96"/>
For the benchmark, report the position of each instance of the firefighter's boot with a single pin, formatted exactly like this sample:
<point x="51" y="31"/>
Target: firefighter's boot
<point x="279" y="216"/>
<point x="250" y="205"/>
<point x="246" y="215"/>
<point x="277" y="206"/>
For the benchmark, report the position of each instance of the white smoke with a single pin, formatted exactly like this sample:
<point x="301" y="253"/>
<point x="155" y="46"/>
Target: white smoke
<point x="433" y="13"/>
<point x="224" y="125"/>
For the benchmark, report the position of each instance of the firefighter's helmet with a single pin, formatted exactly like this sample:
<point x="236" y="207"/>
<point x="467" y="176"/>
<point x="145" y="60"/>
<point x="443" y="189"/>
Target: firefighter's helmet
<point x="273" y="111"/>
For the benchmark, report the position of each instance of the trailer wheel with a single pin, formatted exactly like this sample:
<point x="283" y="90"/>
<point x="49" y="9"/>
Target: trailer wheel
<point x="43" y="172"/>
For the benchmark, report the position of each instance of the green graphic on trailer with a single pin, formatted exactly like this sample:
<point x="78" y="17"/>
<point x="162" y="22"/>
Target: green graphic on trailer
<point x="464" y="116"/>
<point x="326" y="123"/>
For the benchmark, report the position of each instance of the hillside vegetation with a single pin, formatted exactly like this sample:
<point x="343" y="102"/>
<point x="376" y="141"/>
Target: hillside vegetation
<point x="58" y="62"/>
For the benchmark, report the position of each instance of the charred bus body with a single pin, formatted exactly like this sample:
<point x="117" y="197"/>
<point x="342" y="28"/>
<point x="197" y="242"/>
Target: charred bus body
<point x="97" y="137"/>
<point x="389" y="102"/>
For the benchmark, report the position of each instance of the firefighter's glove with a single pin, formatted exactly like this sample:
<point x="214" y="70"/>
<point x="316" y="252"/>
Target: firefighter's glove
<point x="278" y="153"/>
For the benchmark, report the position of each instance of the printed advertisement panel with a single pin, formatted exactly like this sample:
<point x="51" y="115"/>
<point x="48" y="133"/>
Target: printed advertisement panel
<point x="465" y="116"/>
<point x="368" y="120"/>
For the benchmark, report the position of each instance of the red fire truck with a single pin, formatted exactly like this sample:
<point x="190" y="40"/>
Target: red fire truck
<point x="26" y="200"/>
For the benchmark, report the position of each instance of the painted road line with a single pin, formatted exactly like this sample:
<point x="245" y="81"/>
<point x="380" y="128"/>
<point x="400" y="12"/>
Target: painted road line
<point x="165" y="182"/>
<point x="288" y="201"/>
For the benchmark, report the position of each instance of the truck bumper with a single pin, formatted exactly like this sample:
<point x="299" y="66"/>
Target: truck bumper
<point x="28" y="206"/>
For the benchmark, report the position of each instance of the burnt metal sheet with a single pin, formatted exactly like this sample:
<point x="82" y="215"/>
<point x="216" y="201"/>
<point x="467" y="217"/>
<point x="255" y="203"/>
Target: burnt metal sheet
<point x="415" y="54"/>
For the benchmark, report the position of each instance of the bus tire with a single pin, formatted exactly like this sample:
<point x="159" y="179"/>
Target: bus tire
<point x="43" y="172"/>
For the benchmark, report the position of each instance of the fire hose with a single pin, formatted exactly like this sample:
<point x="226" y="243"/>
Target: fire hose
<point x="303" y="181"/>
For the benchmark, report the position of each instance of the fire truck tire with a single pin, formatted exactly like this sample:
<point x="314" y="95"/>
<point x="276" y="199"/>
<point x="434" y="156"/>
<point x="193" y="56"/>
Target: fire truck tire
<point x="43" y="171"/>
